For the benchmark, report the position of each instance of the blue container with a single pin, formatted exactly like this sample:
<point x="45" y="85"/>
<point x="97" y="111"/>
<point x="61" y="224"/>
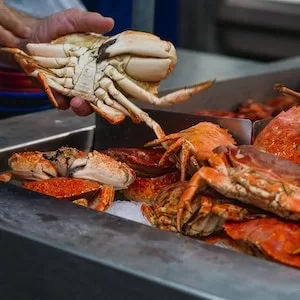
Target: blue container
<point x="119" y="10"/>
<point x="167" y="20"/>
<point x="20" y="103"/>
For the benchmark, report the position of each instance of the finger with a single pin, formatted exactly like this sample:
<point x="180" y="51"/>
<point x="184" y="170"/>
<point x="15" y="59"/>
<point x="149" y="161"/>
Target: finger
<point x="62" y="101"/>
<point x="13" y="24"/>
<point x="72" y="21"/>
<point x="7" y="39"/>
<point x="80" y="107"/>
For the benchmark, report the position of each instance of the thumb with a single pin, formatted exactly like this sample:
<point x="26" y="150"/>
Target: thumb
<point x="71" y="21"/>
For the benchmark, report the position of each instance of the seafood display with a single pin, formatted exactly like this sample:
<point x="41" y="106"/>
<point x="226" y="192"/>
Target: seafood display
<point x="254" y="110"/>
<point x="197" y="182"/>
<point x="106" y="71"/>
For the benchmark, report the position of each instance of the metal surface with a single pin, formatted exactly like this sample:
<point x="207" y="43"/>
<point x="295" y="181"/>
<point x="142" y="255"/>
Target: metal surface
<point x="258" y="126"/>
<point x="128" y="134"/>
<point x="226" y="95"/>
<point x="272" y="26"/>
<point x="196" y="66"/>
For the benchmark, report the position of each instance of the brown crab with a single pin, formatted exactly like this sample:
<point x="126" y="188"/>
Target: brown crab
<point x="206" y="216"/>
<point x="250" y="175"/>
<point x="71" y="162"/>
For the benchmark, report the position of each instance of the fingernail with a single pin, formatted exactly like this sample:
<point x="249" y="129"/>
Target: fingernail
<point x="76" y="102"/>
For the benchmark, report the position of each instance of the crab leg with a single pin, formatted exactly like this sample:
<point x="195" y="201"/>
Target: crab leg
<point x="104" y="198"/>
<point x="172" y="149"/>
<point x="56" y="62"/>
<point x="116" y="94"/>
<point x="60" y="50"/>
<point x="103" y="94"/>
<point x="163" y="222"/>
<point x="141" y="94"/>
<point x="172" y="136"/>
<point x="286" y="91"/>
<point x="196" y="183"/>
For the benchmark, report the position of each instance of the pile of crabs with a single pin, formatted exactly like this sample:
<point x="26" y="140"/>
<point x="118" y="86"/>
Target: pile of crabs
<point x="197" y="182"/>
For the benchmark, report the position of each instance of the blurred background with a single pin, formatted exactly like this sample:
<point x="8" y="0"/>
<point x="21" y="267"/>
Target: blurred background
<point x="262" y="30"/>
<point x="215" y="39"/>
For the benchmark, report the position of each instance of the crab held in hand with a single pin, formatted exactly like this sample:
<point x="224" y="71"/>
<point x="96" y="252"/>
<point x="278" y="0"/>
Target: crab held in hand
<point x="195" y="144"/>
<point x="206" y="216"/>
<point x="71" y="162"/>
<point x="105" y="71"/>
<point x="252" y="176"/>
<point x="82" y="192"/>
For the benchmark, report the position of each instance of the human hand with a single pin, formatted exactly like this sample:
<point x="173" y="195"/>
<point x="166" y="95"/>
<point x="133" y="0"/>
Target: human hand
<point x="66" y="22"/>
<point x="12" y="29"/>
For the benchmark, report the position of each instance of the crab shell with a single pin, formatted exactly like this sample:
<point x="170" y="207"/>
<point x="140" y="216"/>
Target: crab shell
<point x="253" y="176"/>
<point x="286" y="125"/>
<point x="268" y="237"/>
<point x="145" y="162"/>
<point x="82" y="192"/>
<point x="146" y="190"/>
<point x="70" y="162"/>
<point x="206" y="215"/>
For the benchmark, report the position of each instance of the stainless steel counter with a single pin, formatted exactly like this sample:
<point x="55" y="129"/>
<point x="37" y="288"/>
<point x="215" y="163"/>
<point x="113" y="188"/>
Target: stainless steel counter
<point x="56" y="250"/>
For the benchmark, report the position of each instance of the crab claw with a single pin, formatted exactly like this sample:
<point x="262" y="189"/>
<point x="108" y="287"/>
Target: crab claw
<point x="149" y="45"/>
<point x="31" y="166"/>
<point x="62" y="159"/>
<point x="104" y="169"/>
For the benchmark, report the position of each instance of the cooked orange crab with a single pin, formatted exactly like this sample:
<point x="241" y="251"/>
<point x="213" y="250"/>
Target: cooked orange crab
<point x="71" y="162"/>
<point x="195" y="145"/>
<point x="144" y="161"/>
<point x="206" y="216"/>
<point x="250" y="175"/>
<point x="281" y="136"/>
<point x="268" y="237"/>
<point x="106" y="71"/>
<point x="82" y="192"/>
<point x="145" y="189"/>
